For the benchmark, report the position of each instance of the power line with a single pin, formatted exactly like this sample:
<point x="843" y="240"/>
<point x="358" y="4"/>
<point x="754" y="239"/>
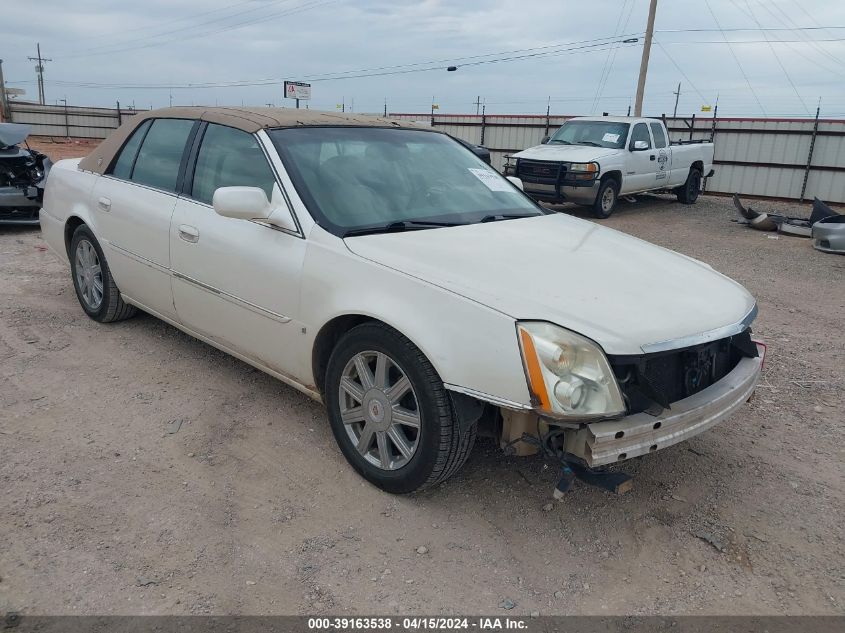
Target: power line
<point x="736" y="59"/>
<point x="777" y="58"/>
<point x="680" y="70"/>
<point x="611" y="56"/>
<point x="294" y="10"/>
<point x="475" y="60"/>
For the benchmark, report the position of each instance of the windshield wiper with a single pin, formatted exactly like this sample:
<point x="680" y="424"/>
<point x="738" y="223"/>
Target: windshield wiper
<point x="398" y="226"/>
<point x="554" y="140"/>
<point x="507" y="216"/>
<point x="591" y="143"/>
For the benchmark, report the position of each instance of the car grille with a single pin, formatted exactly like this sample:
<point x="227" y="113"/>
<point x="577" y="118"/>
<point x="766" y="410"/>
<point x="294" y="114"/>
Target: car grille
<point x="652" y="382"/>
<point x="540" y="170"/>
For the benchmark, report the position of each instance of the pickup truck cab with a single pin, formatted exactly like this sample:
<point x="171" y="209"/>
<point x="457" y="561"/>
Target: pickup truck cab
<point x="593" y="160"/>
<point x="387" y="271"/>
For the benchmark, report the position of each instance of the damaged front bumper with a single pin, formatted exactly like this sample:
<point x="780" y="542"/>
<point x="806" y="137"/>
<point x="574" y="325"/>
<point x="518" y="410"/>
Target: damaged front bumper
<point x="608" y="442"/>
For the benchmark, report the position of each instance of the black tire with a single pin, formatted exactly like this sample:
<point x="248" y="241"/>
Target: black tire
<point x="443" y="445"/>
<point x="111" y="306"/>
<point x="608" y="189"/>
<point x="688" y="192"/>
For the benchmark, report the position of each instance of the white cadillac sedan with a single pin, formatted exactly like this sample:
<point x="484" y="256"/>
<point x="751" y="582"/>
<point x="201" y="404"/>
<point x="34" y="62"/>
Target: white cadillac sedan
<point x="384" y="269"/>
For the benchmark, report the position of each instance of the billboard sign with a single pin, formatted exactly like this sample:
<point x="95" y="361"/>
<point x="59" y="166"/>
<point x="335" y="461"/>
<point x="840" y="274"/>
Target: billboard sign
<point x="297" y="90"/>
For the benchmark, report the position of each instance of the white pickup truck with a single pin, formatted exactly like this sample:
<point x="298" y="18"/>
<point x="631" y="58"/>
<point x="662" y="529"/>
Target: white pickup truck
<point x="593" y="160"/>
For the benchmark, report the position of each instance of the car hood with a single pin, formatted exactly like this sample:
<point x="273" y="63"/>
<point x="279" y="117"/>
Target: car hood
<point x="618" y="290"/>
<point x="13" y="134"/>
<point x="567" y="153"/>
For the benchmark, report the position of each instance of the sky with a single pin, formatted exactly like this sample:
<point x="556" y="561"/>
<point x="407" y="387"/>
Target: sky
<point x="513" y="56"/>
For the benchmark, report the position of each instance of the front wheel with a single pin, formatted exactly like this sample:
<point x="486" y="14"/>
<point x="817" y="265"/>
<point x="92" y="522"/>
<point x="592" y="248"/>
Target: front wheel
<point x="389" y="412"/>
<point x="688" y="192"/>
<point x="95" y="288"/>
<point x="606" y="198"/>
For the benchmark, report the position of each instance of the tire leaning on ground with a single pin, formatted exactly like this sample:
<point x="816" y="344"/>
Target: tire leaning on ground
<point x="95" y="288"/>
<point x="389" y="412"/>
<point x="606" y="198"/>
<point x="688" y="192"/>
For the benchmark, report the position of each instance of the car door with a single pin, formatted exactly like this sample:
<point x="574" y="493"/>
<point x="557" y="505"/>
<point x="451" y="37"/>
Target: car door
<point x="641" y="165"/>
<point x="663" y="170"/>
<point x="134" y="202"/>
<point x="236" y="282"/>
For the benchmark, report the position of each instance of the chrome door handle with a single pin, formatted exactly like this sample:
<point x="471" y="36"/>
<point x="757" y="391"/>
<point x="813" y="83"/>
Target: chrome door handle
<point x="189" y="233"/>
<point x="104" y="204"/>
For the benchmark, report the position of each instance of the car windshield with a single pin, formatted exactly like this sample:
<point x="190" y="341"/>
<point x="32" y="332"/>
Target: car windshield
<point x="592" y="133"/>
<point x="369" y="179"/>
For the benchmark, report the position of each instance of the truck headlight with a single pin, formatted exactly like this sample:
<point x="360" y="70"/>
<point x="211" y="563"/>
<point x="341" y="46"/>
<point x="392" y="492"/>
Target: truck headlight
<point x="568" y="375"/>
<point x="584" y="167"/>
<point x="583" y="171"/>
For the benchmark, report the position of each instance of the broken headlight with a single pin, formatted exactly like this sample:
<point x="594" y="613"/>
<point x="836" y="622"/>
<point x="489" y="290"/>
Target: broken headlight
<point x="568" y="375"/>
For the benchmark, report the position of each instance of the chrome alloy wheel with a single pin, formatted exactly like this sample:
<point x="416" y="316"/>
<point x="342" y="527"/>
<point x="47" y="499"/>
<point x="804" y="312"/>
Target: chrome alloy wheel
<point x="379" y="409"/>
<point x="608" y="198"/>
<point x="89" y="275"/>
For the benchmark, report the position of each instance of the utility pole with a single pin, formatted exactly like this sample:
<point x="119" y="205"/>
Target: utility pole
<point x="39" y="69"/>
<point x="4" y="103"/>
<point x="649" y="35"/>
<point x="677" y="96"/>
<point x="477" y="104"/>
<point x="385" y="107"/>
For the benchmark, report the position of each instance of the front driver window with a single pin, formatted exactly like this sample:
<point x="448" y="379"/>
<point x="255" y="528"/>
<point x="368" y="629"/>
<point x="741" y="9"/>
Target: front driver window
<point x="230" y="158"/>
<point x="640" y="133"/>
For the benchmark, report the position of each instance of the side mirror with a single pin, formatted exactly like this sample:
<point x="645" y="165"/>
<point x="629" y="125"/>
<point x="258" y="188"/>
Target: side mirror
<point x="545" y="139"/>
<point x="241" y="203"/>
<point x="517" y="182"/>
<point x="251" y="203"/>
<point x="639" y="146"/>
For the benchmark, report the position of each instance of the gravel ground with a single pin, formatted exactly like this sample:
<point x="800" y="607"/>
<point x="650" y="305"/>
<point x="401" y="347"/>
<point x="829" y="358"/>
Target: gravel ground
<point x="143" y="472"/>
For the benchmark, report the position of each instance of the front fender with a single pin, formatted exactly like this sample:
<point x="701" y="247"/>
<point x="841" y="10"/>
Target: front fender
<point x="473" y="348"/>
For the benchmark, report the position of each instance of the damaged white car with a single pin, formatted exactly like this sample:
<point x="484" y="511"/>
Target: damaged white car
<point x="387" y="271"/>
<point x="23" y="175"/>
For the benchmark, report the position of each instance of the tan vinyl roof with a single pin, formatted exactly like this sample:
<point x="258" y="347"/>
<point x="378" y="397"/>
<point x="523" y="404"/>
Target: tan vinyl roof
<point x="247" y="119"/>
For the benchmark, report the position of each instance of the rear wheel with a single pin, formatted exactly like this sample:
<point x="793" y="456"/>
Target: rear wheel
<point x="95" y="288"/>
<point x="689" y="191"/>
<point x="389" y="412"/>
<point x="606" y="198"/>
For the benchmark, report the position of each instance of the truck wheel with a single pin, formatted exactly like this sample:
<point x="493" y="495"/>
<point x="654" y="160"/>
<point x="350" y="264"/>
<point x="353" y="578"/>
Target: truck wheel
<point x="688" y="192"/>
<point x="95" y="288"/>
<point x="389" y="412"/>
<point x="606" y="198"/>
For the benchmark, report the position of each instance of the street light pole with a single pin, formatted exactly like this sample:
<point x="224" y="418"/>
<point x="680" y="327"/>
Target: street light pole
<point x="649" y="35"/>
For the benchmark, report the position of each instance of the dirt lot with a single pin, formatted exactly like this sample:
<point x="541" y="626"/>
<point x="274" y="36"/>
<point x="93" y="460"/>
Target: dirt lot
<point x="144" y="472"/>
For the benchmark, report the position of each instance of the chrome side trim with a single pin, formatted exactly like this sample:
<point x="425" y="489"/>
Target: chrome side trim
<point x="486" y="397"/>
<point x="281" y="318"/>
<point x="138" y="258"/>
<point x="704" y="337"/>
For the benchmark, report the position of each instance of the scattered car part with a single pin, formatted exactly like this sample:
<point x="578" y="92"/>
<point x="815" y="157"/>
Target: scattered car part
<point x="749" y="213"/>
<point x="820" y="211"/>
<point x="764" y="223"/>
<point x="829" y="235"/>
<point x="23" y="175"/>
<point x="795" y="227"/>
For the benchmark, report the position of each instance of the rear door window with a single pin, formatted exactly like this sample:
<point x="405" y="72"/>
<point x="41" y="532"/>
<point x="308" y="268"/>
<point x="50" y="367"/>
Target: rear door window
<point x="161" y="153"/>
<point x="122" y="167"/>
<point x="659" y="136"/>
<point x="230" y="158"/>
